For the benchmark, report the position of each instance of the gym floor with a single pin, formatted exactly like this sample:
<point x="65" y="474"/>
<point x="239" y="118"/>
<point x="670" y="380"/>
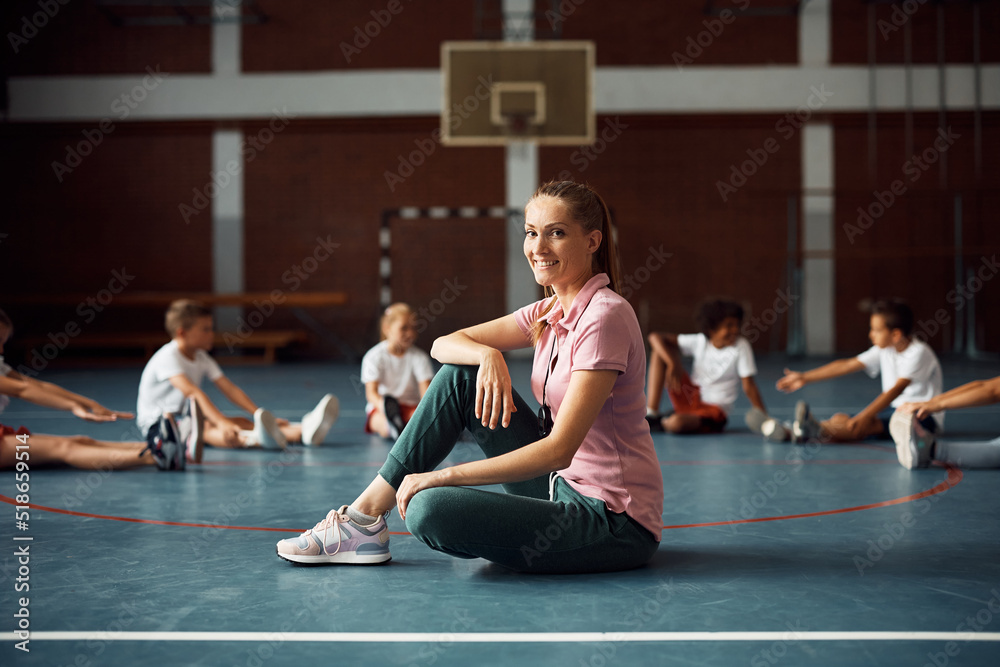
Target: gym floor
<point x="771" y="553"/>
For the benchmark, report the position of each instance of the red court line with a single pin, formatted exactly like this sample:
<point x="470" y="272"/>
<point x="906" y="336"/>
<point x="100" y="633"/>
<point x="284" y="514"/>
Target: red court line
<point x="954" y="476"/>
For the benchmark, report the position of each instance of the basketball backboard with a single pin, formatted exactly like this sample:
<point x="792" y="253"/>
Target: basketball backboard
<point x="499" y="92"/>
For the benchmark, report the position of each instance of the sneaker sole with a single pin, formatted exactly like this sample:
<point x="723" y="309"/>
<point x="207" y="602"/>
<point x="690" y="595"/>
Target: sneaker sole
<point x="901" y="430"/>
<point x="270" y="427"/>
<point x="349" y="558"/>
<point x="331" y="411"/>
<point x="196" y="441"/>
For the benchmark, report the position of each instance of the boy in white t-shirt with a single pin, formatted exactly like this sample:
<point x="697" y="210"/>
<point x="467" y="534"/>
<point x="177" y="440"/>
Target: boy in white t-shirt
<point x="910" y="373"/>
<point x="171" y="386"/>
<point x="396" y="374"/>
<point x="723" y="360"/>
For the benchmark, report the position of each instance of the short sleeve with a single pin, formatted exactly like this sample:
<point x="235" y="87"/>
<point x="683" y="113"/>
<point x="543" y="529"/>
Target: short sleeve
<point x="370" y="371"/>
<point x="746" y="366"/>
<point x="528" y="315"/>
<point x="602" y="343"/>
<point x="212" y="369"/>
<point x="422" y="368"/>
<point x="914" y="367"/>
<point x="871" y="359"/>
<point x="690" y="344"/>
<point x="168" y="365"/>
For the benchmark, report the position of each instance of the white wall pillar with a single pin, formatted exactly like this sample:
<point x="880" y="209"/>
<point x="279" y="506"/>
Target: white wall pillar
<point x="521" y="182"/>
<point x="227" y="204"/>
<point x="818" y="298"/>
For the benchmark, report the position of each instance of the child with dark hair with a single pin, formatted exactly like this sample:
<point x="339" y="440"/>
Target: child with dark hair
<point x="722" y="361"/>
<point x="910" y="373"/>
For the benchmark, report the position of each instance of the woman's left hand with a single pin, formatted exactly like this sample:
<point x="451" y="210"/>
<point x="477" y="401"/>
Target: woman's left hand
<point x="414" y="483"/>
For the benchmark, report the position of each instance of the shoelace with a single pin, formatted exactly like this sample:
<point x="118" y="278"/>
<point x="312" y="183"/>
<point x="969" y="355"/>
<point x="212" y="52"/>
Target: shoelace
<point x="332" y="520"/>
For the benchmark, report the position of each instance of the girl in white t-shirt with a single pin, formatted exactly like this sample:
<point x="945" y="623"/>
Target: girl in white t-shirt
<point x="395" y="374"/>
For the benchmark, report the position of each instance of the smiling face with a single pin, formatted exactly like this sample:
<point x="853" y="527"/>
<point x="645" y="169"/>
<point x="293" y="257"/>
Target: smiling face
<point x="558" y="249"/>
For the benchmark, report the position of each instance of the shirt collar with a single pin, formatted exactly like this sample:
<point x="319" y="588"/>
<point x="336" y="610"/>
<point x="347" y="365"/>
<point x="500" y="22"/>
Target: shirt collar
<point x="580" y="303"/>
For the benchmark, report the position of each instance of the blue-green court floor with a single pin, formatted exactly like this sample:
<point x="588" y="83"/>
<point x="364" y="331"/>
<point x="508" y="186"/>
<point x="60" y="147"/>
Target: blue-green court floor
<point x="771" y="555"/>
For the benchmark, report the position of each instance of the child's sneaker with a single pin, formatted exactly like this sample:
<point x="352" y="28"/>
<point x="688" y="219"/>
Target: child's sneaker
<point x="805" y="427"/>
<point x="165" y="445"/>
<point x="913" y="442"/>
<point x="775" y="431"/>
<point x="266" y="431"/>
<point x="755" y="419"/>
<point x="337" y="539"/>
<point x="191" y="430"/>
<point x="393" y="416"/>
<point x="316" y="424"/>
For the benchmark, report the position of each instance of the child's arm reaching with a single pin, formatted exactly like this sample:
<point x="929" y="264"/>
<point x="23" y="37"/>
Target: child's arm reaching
<point x="53" y="396"/>
<point x="881" y="402"/>
<point x="664" y="346"/>
<point x="235" y="395"/>
<point x="212" y="413"/>
<point x="977" y="392"/>
<point x="753" y="393"/>
<point x="794" y="380"/>
<point x="371" y="393"/>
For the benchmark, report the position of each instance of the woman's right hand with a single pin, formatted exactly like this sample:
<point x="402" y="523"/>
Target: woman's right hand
<point x="494" y="393"/>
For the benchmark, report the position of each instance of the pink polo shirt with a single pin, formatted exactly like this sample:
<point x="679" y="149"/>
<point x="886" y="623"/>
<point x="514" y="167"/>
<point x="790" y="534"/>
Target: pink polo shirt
<point x="616" y="462"/>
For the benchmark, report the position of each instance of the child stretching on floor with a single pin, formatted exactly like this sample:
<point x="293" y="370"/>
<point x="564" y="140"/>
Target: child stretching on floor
<point x="722" y="361"/>
<point x="174" y="373"/>
<point x="78" y="451"/>
<point x="910" y="372"/>
<point x="396" y="374"/>
<point x="916" y="446"/>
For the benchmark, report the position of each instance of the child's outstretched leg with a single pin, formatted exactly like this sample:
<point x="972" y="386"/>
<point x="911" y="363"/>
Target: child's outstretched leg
<point x="972" y="454"/>
<point x="78" y="451"/>
<point x="842" y="428"/>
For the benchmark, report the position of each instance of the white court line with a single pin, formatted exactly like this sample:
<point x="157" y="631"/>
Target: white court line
<point x="513" y="637"/>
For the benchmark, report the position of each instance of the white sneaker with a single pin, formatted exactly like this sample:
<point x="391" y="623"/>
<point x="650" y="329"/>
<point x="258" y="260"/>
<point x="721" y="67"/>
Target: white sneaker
<point x="195" y="442"/>
<point x="266" y="431"/>
<point x="775" y="431"/>
<point x="316" y="424"/>
<point x="913" y="441"/>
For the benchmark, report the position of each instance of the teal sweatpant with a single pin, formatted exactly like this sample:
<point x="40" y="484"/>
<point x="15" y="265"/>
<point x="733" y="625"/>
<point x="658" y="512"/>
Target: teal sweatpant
<point x="520" y="529"/>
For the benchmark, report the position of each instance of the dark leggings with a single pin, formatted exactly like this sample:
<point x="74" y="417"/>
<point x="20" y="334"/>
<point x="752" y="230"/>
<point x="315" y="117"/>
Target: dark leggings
<point x="521" y="529"/>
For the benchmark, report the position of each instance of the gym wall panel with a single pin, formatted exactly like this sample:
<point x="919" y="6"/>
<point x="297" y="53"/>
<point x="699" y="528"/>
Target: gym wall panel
<point x="327" y="180"/>
<point x="114" y="212"/>
<point x="661" y="177"/>
<point x="76" y="38"/>
<point x="650" y="32"/>
<point x="849" y="30"/>
<point x="902" y="243"/>
<point x="350" y="34"/>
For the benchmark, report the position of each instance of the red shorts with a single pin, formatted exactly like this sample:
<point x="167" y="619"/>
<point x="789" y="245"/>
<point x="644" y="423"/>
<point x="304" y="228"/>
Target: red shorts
<point x="405" y="409"/>
<point x="687" y="401"/>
